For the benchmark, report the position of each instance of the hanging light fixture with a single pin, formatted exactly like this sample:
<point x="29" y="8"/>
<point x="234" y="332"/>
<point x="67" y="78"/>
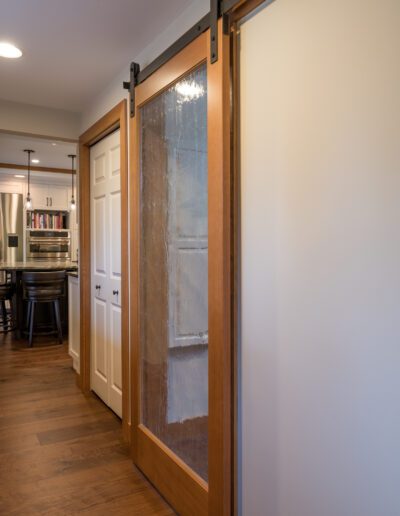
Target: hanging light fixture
<point x="72" y="203"/>
<point x="28" y="202"/>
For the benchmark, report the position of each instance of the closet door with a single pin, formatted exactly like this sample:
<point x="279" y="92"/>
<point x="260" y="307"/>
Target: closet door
<point x="106" y="271"/>
<point x="181" y="282"/>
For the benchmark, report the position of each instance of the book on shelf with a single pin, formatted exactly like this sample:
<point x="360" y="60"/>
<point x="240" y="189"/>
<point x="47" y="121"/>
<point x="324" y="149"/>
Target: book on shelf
<point x="43" y="220"/>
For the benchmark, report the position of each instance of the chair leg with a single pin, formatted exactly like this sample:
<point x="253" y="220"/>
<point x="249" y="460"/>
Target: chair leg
<point x="58" y="320"/>
<point x="53" y="316"/>
<point x="28" y="314"/>
<point x="3" y="313"/>
<point x="12" y="316"/>
<point x="32" y="317"/>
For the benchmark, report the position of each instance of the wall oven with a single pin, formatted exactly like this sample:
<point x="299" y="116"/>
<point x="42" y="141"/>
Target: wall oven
<point x="48" y="244"/>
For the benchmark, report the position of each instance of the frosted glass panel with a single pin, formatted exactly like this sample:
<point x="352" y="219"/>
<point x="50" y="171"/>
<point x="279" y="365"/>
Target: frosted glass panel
<point x="174" y="269"/>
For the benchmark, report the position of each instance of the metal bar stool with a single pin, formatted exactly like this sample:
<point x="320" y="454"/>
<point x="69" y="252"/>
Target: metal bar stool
<point x="43" y="287"/>
<point x="7" y="289"/>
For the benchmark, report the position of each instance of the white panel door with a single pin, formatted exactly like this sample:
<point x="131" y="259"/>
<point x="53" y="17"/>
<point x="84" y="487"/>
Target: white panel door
<point x="106" y="271"/>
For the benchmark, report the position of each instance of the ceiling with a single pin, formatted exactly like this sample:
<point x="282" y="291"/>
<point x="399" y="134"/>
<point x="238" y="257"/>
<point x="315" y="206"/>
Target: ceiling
<point x="50" y="155"/>
<point x="72" y="49"/>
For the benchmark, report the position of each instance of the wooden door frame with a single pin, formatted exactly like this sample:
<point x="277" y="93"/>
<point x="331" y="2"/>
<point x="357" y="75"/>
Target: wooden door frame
<point x="214" y="499"/>
<point x="115" y="119"/>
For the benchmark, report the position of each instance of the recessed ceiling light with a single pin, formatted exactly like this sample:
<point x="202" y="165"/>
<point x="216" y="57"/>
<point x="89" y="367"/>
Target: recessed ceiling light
<point x="54" y="144"/>
<point x="9" y="50"/>
<point x="35" y="161"/>
<point x="19" y="175"/>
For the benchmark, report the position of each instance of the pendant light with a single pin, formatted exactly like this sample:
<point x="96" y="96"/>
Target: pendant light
<point x="28" y="202"/>
<point x="72" y="203"/>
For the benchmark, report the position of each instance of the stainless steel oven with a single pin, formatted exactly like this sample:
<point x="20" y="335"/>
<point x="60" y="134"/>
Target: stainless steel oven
<point x="44" y="244"/>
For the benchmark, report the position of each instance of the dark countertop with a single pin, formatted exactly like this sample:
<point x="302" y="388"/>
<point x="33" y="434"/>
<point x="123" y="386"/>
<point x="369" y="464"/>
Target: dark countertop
<point x="73" y="274"/>
<point x="44" y="265"/>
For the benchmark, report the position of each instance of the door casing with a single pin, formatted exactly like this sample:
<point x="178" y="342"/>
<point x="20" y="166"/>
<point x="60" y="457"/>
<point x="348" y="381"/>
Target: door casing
<point x="114" y="119"/>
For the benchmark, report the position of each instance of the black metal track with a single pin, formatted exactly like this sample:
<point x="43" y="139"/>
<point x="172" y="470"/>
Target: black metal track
<point x="203" y="25"/>
<point x="228" y="5"/>
<point x="175" y="48"/>
<point x="214" y="15"/>
<point x="219" y="8"/>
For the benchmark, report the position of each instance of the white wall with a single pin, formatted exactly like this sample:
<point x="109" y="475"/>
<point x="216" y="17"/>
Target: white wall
<point x="320" y="282"/>
<point x="10" y="184"/>
<point x="26" y="118"/>
<point x="114" y="93"/>
<point x="8" y="175"/>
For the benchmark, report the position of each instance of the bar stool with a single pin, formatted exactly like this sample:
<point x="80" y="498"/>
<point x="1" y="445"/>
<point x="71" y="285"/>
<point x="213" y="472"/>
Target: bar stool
<point x="7" y="319"/>
<point x="43" y="287"/>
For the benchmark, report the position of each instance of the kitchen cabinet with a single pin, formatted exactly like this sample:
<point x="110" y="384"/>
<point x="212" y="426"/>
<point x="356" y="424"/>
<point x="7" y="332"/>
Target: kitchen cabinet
<point x="39" y="195"/>
<point x="50" y="197"/>
<point x="74" y="321"/>
<point x="59" y="197"/>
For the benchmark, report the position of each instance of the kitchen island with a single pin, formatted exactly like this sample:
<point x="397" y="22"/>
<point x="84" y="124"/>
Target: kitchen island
<point x="16" y="268"/>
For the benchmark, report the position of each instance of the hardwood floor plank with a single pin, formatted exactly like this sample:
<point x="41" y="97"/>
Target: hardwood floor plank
<point x="74" y="432"/>
<point x="62" y="453"/>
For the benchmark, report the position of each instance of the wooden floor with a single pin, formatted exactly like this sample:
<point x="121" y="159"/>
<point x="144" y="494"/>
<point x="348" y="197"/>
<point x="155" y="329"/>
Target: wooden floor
<point x="61" y="452"/>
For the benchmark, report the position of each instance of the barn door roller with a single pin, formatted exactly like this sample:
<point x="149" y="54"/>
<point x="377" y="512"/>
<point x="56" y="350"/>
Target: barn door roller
<point x="214" y="15"/>
<point x="133" y="81"/>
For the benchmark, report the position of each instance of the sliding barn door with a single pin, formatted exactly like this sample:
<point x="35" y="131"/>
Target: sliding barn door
<point x="106" y="366"/>
<point x="180" y="280"/>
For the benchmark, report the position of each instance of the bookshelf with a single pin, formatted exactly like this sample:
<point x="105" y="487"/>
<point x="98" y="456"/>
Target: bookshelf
<point x="47" y="219"/>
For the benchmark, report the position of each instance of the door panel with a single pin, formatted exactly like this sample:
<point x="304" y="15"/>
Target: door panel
<point x="115" y="217"/>
<point x="115" y="360"/>
<point x="106" y="271"/>
<point x="99" y="356"/>
<point x="99" y="234"/>
<point x="100" y="365"/>
<point x="180" y="382"/>
<point x="115" y="156"/>
<point x="99" y="167"/>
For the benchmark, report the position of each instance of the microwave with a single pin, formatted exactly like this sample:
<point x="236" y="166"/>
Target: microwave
<point x="44" y="244"/>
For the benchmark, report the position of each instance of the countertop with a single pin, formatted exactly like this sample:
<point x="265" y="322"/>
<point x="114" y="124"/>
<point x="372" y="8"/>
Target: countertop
<point x="39" y="266"/>
<point x="73" y="274"/>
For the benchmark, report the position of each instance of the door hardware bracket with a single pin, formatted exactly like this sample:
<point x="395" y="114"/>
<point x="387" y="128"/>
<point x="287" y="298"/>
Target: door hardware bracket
<point x="133" y="82"/>
<point x="214" y="15"/>
<point x="216" y="12"/>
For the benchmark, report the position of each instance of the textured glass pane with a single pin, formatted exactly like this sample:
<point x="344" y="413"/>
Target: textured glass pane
<point x="174" y="268"/>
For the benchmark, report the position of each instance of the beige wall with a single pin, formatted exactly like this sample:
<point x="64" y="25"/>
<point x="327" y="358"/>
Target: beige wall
<point x="26" y="118"/>
<point x="321" y="259"/>
<point x="114" y="93"/>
